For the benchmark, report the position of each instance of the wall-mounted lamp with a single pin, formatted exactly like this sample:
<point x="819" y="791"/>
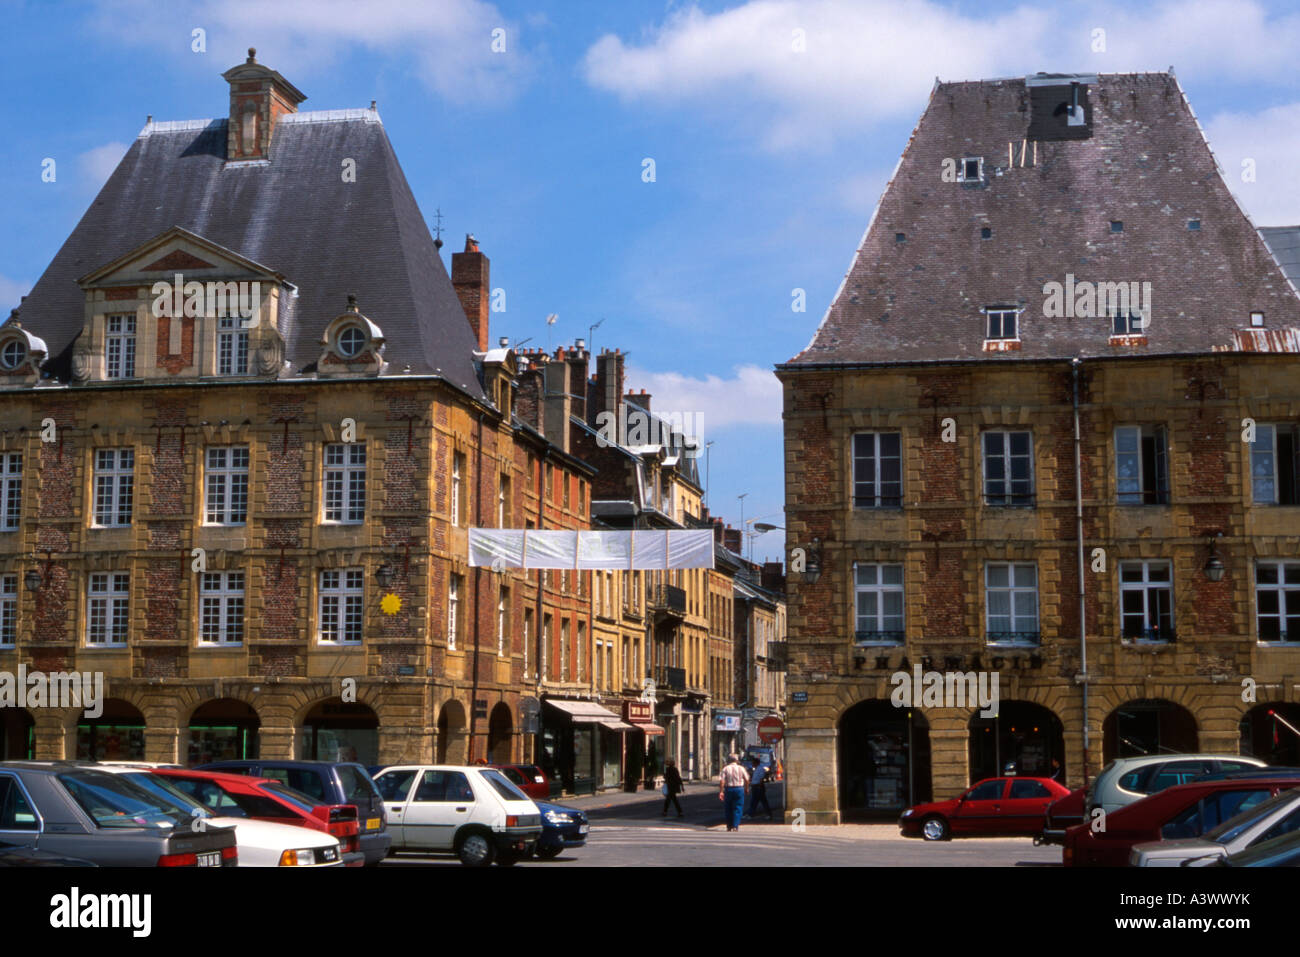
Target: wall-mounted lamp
<point x="384" y="575"/>
<point x="33" y="579"/>
<point x="1214" y="567"/>
<point x="812" y="569"/>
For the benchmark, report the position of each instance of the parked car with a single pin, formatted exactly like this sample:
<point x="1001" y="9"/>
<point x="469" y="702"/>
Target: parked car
<point x="1281" y="851"/>
<point x="79" y="810"/>
<point x="1182" y="811"/>
<point x="1062" y="814"/>
<point x="1009" y="805"/>
<point x="260" y="843"/>
<point x="264" y="799"/>
<point x="20" y="855"/>
<point x="1272" y="818"/>
<point x="562" y="827"/>
<point x="529" y="778"/>
<point x="473" y="812"/>
<point x="1126" y="780"/>
<point x="329" y="782"/>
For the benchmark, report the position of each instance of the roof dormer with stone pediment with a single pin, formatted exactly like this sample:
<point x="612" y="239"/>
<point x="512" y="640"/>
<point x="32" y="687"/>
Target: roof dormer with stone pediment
<point x="352" y="345"/>
<point x="180" y="307"/>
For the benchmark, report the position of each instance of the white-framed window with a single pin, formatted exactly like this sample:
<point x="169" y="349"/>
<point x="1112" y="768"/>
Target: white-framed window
<point x="972" y="169"/>
<point x="1146" y="596"/>
<point x="8" y="610"/>
<point x="226" y="485"/>
<point x="545" y="657"/>
<point x="119" y="347"/>
<point x="1275" y="465"/>
<point x="351" y="341"/>
<point x="1277" y="600"/>
<point x="878" y="601"/>
<point x="341" y="612"/>
<point x="345" y="482"/>
<point x="528" y="637"/>
<point x="232" y="346"/>
<point x="566" y="638"/>
<point x="221" y="608"/>
<point x="11" y="490"/>
<point x="1011" y="603"/>
<point x="108" y="601"/>
<point x="598" y="666"/>
<point x="1008" y="468"/>
<point x="12" y="354"/>
<point x="609" y="665"/>
<point x="453" y="612"/>
<point x="503" y="623"/>
<point x="114" y="486"/>
<point x="457" y="473"/>
<point x="503" y="502"/>
<point x="580" y="652"/>
<point x="877" y="470"/>
<point x="1129" y="322"/>
<point x="1002" y="323"/>
<point x="1142" y="465"/>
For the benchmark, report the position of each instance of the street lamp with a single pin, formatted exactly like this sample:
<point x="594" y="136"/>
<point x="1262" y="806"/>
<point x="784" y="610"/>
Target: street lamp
<point x="33" y="579"/>
<point x="812" y="569"/>
<point x="1214" y="567"/>
<point x="384" y="575"/>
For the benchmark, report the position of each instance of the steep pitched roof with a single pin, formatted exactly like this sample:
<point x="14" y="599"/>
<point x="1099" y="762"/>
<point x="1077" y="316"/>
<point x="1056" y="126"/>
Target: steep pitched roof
<point x="295" y="214"/>
<point x="1285" y="243"/>
<point x="1142" y="161"/>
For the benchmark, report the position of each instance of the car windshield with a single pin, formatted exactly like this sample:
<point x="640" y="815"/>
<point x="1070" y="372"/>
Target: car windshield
<point x="120" y="800"/>
<point x="503" y="786"/>
<point x="357" y="785"/>
<point x="1233" y="827"/>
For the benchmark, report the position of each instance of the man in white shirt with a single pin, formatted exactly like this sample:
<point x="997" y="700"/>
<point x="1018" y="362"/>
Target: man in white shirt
<point x="733" y="786"/>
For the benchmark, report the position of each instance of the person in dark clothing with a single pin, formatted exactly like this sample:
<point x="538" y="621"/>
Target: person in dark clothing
<point x="758" y="789"/>
<point x="672" y="786"/>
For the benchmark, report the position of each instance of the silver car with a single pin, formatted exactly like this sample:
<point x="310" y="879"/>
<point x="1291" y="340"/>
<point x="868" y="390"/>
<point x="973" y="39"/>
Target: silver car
<point x="1272" y="818"/>
<point x="1126" y="780"/>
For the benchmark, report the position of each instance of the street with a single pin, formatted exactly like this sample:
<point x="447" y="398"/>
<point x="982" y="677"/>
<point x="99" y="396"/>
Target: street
<point x="628" y="830"/>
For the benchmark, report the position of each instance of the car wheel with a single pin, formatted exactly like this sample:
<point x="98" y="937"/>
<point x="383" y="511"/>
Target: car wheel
<point x="935" y="828"/>
<point x="549" y="851"/>
<point x="475" y="851"/>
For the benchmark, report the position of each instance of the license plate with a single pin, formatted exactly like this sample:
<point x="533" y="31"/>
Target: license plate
<point x="210" y="859"/>
<point x="372" y="824"/>
<point x="583" y="828"/>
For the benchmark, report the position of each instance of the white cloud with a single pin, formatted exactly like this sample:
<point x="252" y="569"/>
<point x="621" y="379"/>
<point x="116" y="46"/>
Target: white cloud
<point x="97" y="164"/>
<point x="449" y="41"/>
<point x="11" y="293"/>
<point x="872" y="60"/>
<point x="1271" y="138"/>
<point x="751" y="397"/>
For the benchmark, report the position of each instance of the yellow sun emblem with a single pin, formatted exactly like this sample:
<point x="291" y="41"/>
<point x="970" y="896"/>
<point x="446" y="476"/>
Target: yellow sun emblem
<point x="391" y="604"/>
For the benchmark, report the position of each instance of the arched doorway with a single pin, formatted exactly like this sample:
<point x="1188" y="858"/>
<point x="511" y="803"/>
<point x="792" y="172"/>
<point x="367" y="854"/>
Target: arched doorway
<point x="223" y="729"/>
<point x="116" y="735"/>
<point x="452" y="740"/>
<point x="1148" y="726"/>
<point x="1022" y="738"/>
<point x="500" y="732"/>
<point x="338" y="730"/>
<point x="1270" y="732"/>
<point x="17" y="735"/>
<point x="884" y="755"/>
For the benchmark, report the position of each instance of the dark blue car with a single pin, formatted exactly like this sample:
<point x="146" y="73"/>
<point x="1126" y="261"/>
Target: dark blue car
<point x="561" y="827"/>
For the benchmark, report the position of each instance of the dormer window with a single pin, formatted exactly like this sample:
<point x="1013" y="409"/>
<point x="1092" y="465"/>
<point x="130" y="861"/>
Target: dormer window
<point x="12" y="354"/>
<point x="1002" y="324"/>
<point x="351" y="341"/>
<point x="1257" y="319"/>
<point x="972" y="169"/>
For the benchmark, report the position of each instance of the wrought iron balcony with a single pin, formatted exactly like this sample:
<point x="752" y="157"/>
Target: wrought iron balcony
<point x="1014" y="637"/>
<point x="668" y="600"/>
<point x="672" y="679"/>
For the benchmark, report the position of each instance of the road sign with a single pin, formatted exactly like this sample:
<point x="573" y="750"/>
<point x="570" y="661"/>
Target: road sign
<point x="770" y="729"/>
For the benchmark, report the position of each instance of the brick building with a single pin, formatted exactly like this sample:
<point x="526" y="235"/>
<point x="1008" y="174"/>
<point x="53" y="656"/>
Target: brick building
<point x="254" y="524"/>
<point x="930" y="453"/>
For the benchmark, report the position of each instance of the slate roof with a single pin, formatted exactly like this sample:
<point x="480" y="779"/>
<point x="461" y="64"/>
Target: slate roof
<point x="1285" y="243"/>
<point x="1146" y="164"/>
<point x="294" y="214"/>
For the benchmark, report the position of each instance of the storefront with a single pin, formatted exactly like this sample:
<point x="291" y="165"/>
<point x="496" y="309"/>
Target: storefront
<point x="884" y="760"/>
<point x="726" y="731"/>
<point x="613" y="735"/>
<point x="642" y="751"/>
<point x="573" y="744"/>
<point x="116" y="735"/>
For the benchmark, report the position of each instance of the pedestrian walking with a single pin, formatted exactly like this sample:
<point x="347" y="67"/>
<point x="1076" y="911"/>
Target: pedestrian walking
<point x="758" y="788"/>
<point x="672" y="786"/>
<point x="733" y="786"/>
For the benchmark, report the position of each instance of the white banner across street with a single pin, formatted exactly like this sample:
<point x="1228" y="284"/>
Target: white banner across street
<point x="636" y="549"/>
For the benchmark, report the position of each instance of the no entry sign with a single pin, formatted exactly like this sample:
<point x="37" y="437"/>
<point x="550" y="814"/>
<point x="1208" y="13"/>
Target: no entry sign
<point x="770" y="729"/>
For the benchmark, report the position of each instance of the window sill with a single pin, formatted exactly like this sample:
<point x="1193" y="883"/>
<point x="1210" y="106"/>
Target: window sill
<point x="1131" y="341"/>
<point x="1262" y="642"/>
<point x="997" y="645"/>
<point x="1001" y="345"/>
<point x="105" y="646"/>
<point x="324" y="643"/>
<point x="219" y="646"/>
<point x="879" y="644"/>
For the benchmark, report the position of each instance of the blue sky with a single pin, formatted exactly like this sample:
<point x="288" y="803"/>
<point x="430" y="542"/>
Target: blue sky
<point x="773" y="126"/>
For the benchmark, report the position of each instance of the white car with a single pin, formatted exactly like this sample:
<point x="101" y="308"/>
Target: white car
<point x="473" y="812"/>
<point x="1278" y="815"/>
<point x="260" y="843"/>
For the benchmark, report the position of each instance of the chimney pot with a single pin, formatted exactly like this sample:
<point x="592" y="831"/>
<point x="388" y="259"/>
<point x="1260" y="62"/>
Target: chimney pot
<point x="504" y="342"/>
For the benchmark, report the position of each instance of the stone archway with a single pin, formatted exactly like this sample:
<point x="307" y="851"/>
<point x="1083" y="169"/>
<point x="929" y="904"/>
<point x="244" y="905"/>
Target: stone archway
<point x="500" y="735"/>
<point x="1023" y="738"/>
<point x="1148" y="726"/>
<point x="222" y="729"/>
<point x="1268" y="731"/>
<point x="453" y="736"/>
<point x="116" y="735"/>
<point x="884" y="759"/>
<point x="338" y="730"/>
<point x="17" y="734"/>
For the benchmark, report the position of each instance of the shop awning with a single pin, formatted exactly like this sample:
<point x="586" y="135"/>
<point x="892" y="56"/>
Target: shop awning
<point x="583" y="712"/>
<point x="618" y="725"/>
<point x="649" y="728"/>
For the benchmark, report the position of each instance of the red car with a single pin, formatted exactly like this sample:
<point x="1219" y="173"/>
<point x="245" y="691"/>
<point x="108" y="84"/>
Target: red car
<point x="1185" y="810"/>
<point x="529" y="778"/>
<point x="263" y="799"/>
<point x="1062" y="815"/>
<point x="1012" y="805"/>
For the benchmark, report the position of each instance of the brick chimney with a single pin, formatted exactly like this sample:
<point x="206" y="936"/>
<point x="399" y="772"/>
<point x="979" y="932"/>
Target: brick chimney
<point x="640" y="399"/>
<point x="469" y="274"/>
<point x="557" y="404"/>
<point x="731" y="539"/>
<point x="609" y="384"/>
<point x="774" y="576"/>
<point x="578" y="359"/>
<point x="528" y="401"/>
<point x="258" y="98"/>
